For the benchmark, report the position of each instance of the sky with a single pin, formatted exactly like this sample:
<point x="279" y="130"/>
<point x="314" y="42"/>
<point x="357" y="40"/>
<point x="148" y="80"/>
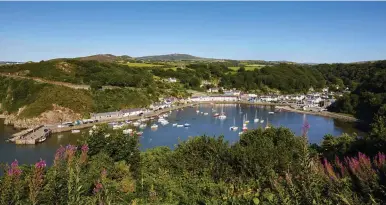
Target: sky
<point x="317" y="32"/>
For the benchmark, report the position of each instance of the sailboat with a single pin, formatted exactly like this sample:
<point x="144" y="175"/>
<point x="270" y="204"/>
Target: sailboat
<point x="222" y="116"/>
<point x="267" y="125"/>
<point x="234" y="127"/>
<point x="262" y="121"/>
<point x="245" y="128"/>
<point x="246" y="118"/>
<point x="256" y="120"/>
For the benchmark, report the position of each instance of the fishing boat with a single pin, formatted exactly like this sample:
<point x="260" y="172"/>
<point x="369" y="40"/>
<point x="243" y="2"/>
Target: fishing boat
<point x="127" y="131"/>
<point x="234" y="127"/>
<point x="154" y="126"/>
<point x="75" y="131"/>
<point x="256" y="120"/>
<point x="174" y="124"/>
<point x="186" y="125"/>
<point x="180" y="125"/>
<point x="42" y="139"/>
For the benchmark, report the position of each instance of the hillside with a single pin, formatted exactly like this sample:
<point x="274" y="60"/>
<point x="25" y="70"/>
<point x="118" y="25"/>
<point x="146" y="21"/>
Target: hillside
<point x="171" y="57"/>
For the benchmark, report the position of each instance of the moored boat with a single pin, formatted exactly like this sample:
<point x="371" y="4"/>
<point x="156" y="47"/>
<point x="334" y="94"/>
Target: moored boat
<point x="154" y="126"/>
<point x="174" y="124"/>
<point x="180" y="125"/>
<point x="186" y="125"/>
<point x="75" y="131"/>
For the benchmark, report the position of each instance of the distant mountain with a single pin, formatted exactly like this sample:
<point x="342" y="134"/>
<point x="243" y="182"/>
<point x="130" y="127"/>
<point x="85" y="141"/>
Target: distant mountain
<point x="106" y="58"/>
<point x="9" y="62"/>
<point x="172" y="57"/>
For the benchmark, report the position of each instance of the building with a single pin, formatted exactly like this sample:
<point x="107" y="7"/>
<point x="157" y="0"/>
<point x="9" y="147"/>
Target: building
<point x="214" y="98"/>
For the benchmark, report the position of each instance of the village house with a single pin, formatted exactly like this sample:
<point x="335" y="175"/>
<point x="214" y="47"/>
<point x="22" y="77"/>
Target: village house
<point x="214" y="98"/>
<point x="132" y="112"/>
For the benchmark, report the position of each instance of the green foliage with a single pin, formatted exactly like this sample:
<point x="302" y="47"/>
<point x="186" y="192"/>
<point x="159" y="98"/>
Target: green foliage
<point x="265" y="167"/>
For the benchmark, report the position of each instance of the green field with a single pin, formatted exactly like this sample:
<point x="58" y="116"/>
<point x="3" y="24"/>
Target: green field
<point x="142" y="65"/>
<point x="249" y="67"/>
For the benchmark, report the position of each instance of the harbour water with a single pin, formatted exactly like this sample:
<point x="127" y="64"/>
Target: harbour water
<point x="200" y="124"/>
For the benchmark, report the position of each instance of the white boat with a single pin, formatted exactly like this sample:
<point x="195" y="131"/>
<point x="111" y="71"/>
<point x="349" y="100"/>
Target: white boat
<point x="42" y="139"/>
<point x="138" y="133"/>
<point x="180" y="125"/>
<point x="206" y="113"/>
<point x="75" y="131"/>
<point x="201" y="112"/>
<point x="154" y="126"/>
<point x="234" y="127"/>
<point x="136" y="123"/>
<point x="267" y="125"/>
<point x="261" y="121"/>
<point x="271" y="113"/>
<point x="186" y="125"/>
<point x="256" y="120"/>
<point x="142" y="126"/>
<point x="246" y="119"/>
<point x="174" y="124"/>
<point x="222" y="116"/>
<point x="197" y="111"/>
<point x="127" y="131"/>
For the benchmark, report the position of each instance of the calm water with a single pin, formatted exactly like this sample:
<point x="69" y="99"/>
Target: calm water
<point x="169" y="135"/>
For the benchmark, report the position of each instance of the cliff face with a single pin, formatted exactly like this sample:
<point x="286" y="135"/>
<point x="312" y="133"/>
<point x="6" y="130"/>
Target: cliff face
<point x="56" y="115"/>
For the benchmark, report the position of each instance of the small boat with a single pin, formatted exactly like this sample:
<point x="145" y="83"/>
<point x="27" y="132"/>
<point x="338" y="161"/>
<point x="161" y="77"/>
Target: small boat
<point x="154" y="126"/>
<point x="180" y="125"/>
<point x="201" y="112"/>
<point x="246" y="117"/>
<point x="256" y="120"/>
<point x="142" y="126"/>
<point x="267" y="125"/>
<point x="245" y="128"/>
<point x="42" y="139"/>
<point x="222" y="116"/>
<point x="261" y="121"/>
<point x="127" y="131"/>
<point x="174" y="124"/>
<point x="139" y="133"/>
<point x="216" y="115"/>
<point x="234" y="127"/>
<point x="213" y="110"/>
<point x="206" y="113"/>
<point x="186" y="125"/>
<point x="197" y="111"/>
<point x="136" y="124"/>
<point x="75" y="131"/>
<point x="271" y="113"/>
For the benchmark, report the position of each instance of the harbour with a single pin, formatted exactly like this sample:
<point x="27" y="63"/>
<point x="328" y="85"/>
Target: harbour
<point x="175" y="130"/>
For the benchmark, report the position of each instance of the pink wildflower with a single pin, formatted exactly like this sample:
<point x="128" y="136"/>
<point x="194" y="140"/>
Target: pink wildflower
<point x="380" y="160"/>
<point x="329" y="170"/>
<point x="59" y="155"/>
<point x="98" y="187"/>
<point x="15" y="169"/>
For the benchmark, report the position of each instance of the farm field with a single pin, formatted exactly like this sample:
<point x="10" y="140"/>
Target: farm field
<point x="143" y="65"/>
<point x="248" y="67"/>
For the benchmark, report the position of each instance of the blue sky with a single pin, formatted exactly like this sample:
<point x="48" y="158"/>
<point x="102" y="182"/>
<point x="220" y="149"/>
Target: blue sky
<point x="294" y="31"/>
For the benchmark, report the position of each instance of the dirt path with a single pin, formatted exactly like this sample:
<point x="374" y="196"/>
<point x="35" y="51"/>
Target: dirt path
<point x="40" y="80"/>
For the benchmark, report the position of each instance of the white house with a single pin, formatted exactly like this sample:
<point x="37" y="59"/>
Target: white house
<point x="172" y="80"/>
<point x="214" y="98"/>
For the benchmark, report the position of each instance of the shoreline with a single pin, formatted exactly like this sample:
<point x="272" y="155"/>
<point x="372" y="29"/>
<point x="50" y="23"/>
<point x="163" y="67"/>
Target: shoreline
<point x="282" y="106"/>
<point x="288" y="108"/>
